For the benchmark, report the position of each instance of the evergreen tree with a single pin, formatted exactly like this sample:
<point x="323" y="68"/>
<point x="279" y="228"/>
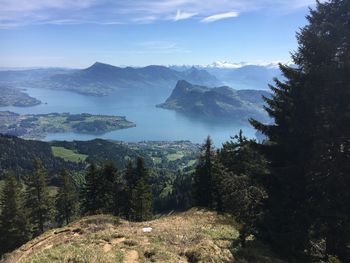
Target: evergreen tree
<point x="140" y="170"/>
<point x="182" y="191"/>
<point x="113" y="190"/>
<point x="243" y="157"/>
<point x="241" y="170"/>
<point x="130" y="179"/>
<point x="67" y="201"/>
<point x="141" y="196"/>
<point x="130" y="176"/>
<point x="14" y="226"/>
<point x="285" y="225"/>
<point x="324" y="55"/>
<point x="108" y="191"/>
<point x="90" y="199"/>
<point x="38" y="201"/>
<point x="202" y="187"/>
<point x="309" y="141"/>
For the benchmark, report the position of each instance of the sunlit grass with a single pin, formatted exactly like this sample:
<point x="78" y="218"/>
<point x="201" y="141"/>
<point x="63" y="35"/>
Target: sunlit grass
<point x="68" y="155"/>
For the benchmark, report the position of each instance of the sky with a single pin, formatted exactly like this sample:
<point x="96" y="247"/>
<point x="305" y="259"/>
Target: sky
<point x="75" y="34"/>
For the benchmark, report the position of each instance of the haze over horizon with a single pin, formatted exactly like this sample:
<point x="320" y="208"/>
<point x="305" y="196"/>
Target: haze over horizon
<point x="61" y="33"/>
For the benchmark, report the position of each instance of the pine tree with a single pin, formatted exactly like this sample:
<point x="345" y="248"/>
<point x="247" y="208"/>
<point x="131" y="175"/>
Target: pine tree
<point x="113" y="190"/>
<point x="140" y="170"/>
<point x="90" y="199"/>
<point x="141" y="196"/>
<point x="243" y="157"/>
<point x="241" y="170"/>
<point x="130" y="179"/>
<point x="141" y="202"/>
<point x="324" y="55"/>
<point x="309" y="141"/>
<point x="285" y="224"/>
<point x="14" y="226"/>
<point x="67" y="201"/>
<point x="203" y="192"/>
<point x="38" y="201"/>
<point x="182" y="191"/>
<point x="108" y="188"/>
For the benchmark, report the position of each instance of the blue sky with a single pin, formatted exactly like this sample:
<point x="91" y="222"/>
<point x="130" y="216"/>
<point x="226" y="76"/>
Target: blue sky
<point x="77" y="33"/>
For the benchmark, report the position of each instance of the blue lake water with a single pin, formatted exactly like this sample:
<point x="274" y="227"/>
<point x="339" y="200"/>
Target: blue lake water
<point x="151" y="123"/>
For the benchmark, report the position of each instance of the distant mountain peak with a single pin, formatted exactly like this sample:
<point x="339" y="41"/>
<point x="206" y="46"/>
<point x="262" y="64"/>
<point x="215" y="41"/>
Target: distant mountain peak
<point x="225" y="64"/>
<point x="99" y="65"/>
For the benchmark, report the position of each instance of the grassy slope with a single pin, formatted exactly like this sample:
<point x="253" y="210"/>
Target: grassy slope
<point x="192" y="236"/>
<point x="175" y="156"/>
<point x="68" y="155"/>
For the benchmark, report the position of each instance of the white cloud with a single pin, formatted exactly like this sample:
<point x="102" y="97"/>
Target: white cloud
<point x="217" y="17"/>
<point x="144" y="19"/>
<point x="35" y="5"/>
<point x="29" y="12"/>
<point x="160" y="47"/>
<point x="183" y="15"/>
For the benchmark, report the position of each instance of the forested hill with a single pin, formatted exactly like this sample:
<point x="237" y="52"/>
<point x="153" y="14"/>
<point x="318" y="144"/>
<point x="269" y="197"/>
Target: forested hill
<point x="18" y="154"/>
<point x="217" y="103"/>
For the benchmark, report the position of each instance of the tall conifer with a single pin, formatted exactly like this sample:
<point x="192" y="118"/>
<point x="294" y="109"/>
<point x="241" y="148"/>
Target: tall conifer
<point x="203" y="192"/>
<point x="67" y="199"/>
<point x="141" y="195"/>
<point x="38" y="201"/>
<point x="14" y="226"/>
<point x="90" y="203"/>
<point x="308" y="143"/>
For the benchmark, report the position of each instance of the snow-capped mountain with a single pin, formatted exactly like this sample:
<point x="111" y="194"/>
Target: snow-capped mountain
<point x="226" y="65"/>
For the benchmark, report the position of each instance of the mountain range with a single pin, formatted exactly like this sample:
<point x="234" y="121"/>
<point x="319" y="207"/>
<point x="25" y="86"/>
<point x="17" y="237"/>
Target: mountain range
<point x="217" y="103"/>
<point x="240" y="75"/>
<point x="104" y="79"/>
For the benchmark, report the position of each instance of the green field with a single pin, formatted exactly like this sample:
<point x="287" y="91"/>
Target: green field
<point x="191" y="162"/>
<point x="157" y="160"/>
<point x="68" y="155"/>
<point x="175" y="156"/>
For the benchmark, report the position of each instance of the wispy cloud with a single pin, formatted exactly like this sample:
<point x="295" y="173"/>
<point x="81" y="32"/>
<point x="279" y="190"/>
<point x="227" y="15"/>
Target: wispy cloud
<point x="183" y="15"/>
<point x="144" y="19"/>
<point x="107" y="12"/>
<point x="217" y="17"/>
<point x="160" y="47"/>
<point x="36" y="5"/>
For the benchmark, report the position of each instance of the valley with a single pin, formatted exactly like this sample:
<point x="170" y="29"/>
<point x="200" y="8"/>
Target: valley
<point x="18" y="154"/>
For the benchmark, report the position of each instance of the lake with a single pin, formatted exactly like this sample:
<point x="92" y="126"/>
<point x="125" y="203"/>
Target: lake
<point x="152" y="124"/>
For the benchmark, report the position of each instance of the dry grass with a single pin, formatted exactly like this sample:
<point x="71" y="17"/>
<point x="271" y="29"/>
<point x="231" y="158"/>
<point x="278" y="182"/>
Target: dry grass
<point x="193" y="236"/>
